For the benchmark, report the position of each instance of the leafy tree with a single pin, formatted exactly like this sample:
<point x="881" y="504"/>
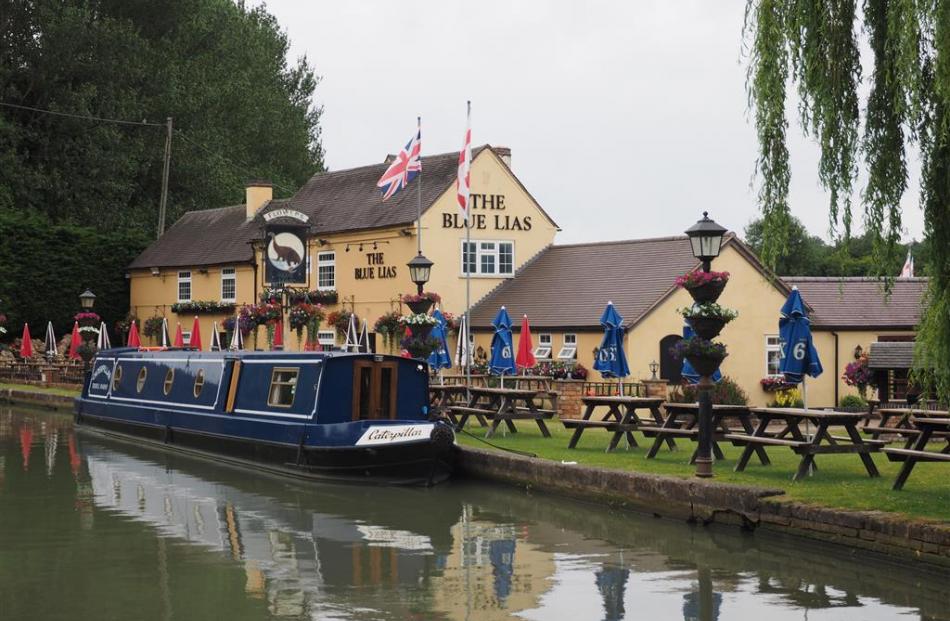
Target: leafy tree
<point x="813" y="45"/>
<point x="803" y="255"/>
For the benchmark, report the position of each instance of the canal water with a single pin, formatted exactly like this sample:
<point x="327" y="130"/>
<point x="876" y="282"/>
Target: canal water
<point x="94" y="528"/>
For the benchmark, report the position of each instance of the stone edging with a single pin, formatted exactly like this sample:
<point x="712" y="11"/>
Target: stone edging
<point x="36" y="397"/>
<point x="704" y="501"/>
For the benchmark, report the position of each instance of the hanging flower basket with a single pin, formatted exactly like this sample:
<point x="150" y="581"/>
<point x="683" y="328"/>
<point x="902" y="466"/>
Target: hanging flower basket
<point x="704" y="355"/>
<point x="420" y="346"/>
<point x="420" y="304"/>
<point x="706" y="327"/>
<point x="703" y="286"/>
<point x="706" y="365"/>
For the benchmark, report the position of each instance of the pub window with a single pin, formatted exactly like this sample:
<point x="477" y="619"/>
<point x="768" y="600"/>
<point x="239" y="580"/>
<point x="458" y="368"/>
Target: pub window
<point x="543" y="350"/>
<point x="116" y="378"/>
<point x="326" y="338"/>
<point x="169" y="380"/>
<point x="228" y="284"/>
<point x="283" y="387"/>
<point x="140" y="381"/>
<point x="773" y="354"/>
<point x="569" y="348"/>
<point x="184" y="286"/>
<point x="326" y="271"/>
<point x="488" y="258"/>
<point x="199" y="382"/>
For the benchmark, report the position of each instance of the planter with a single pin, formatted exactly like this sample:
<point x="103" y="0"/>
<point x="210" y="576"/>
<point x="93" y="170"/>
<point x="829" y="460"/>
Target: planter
<point x="420" y="307"/>
<point x="709" y="292"/>
<point x="706" y="327"/>
<point x="705" y="365"/>
<point x="421" y="332"/>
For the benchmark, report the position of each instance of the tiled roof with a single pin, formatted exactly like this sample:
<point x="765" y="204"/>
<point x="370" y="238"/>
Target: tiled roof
<point x="891" y="355"/>
<point x="852" y="303"/>
<point x="206" y="237"/>
<point x="568" y="286"/>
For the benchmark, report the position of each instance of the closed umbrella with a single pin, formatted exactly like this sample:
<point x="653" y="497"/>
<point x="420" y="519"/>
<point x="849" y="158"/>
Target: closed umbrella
<point x="215" y="337"/>
<point x="237" y="338"/>
<point x="195" y="340"/>
<point x="439" y="359"/>
<point x="103" y="341"/>
<point x="611" y="359"/>
<point x="75" y="342"/>
<point x="352" y="342"/>
<point x="799" y="356"/>
<point x="51" y="350"/>
<point x="179" y="337"/>
<point x="525" y="357"/>
<point x="463" y="349"/>
<point x="364" y="338"/>
<point x="278" y="335"/>
<point x="687" y="372"/>
<point x="134" y="340"/>
<point x="502" y="350"/>
<point x="26" y="344"/>
<point x="166" y="336"/>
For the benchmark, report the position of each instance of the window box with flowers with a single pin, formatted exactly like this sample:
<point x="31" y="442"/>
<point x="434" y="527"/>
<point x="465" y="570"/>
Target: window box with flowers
<point x="775" y="383"/>
<point x="199" y="307"/>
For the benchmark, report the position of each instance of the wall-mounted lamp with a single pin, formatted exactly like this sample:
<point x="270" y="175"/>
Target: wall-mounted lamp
<point x="654" y="367"/>
<point x="203" y="270"/>
<point x="155" y="271"/>
<point x="858" y="351"/>
<point x="323" y="242"/>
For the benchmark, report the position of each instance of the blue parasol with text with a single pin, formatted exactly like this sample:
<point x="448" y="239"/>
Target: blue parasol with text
<point x="439" y="358"/>
<point x="611" y="360"/>
<point x="502" y="346"/>
<point x="799" y="356"/>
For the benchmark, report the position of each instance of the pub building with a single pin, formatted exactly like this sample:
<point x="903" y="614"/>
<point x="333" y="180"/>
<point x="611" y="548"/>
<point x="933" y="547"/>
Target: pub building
<point x="337" y="237"/>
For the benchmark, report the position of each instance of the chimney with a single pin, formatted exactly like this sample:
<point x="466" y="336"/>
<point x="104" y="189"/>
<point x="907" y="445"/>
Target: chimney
<point x="505" y="154"/>
<point x="256" y="194"/>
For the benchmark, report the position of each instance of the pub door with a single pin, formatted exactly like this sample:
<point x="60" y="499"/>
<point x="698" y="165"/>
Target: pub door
<point x="374" y="389"/>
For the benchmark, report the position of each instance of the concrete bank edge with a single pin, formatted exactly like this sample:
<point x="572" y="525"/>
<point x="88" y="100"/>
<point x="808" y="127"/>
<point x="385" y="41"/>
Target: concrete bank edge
<point x="36" y="397"/>
<point x="695" y="500"/>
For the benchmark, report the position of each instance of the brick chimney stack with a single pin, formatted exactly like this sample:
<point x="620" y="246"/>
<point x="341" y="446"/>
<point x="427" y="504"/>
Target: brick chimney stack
<point x="256" y="194"/>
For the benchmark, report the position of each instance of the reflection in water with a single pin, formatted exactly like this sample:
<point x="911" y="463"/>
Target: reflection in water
<point x="121" y="531"/>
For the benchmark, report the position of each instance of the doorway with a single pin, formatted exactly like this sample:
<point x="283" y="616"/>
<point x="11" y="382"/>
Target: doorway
<point x="374" y="389"/>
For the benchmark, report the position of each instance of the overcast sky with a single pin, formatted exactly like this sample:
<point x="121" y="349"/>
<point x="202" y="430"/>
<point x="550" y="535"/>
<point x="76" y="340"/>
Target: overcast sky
<point x="625" y="119"/>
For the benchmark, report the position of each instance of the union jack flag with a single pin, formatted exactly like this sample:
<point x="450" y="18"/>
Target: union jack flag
<point x="405" y="168"/>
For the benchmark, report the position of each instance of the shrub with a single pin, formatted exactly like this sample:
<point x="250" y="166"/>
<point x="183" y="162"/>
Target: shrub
<point x="725" y="392"/>
<point x="853" y="401"/>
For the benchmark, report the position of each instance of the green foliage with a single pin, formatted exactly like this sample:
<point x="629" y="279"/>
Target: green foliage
<point x="725" y="392"/>
<point x="38" y="285"/>
<point x="218" y="68"/>
<point x="907" y="103"/>
<point x="853" y="401"/>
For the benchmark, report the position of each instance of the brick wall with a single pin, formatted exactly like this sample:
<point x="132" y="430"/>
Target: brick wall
<point x="569" y="399"/>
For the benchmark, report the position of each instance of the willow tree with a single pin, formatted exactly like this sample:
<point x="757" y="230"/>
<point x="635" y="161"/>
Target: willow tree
<point x="813" y="47"/>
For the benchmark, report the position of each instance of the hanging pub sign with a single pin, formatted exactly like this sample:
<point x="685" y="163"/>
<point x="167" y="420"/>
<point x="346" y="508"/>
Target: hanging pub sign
<point x="285" y="234"/>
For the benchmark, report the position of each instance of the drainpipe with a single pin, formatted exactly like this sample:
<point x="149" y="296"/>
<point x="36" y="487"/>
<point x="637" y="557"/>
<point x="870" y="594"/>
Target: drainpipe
<point x="835" y="334"/>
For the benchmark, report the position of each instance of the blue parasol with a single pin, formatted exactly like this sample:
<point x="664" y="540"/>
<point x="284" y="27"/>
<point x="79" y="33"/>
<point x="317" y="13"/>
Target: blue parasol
<point x="502" y="350"/>
<point x="688" y="372"/>
<point x="799" y="356"/>
<point x="611" y="360"/>
<point x="439" y="359"/>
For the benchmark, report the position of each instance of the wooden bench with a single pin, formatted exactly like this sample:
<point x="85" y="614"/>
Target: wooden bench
<point x="741" y="439"/>
<point x="910" y="455"/>
<point x="459" y="415"/>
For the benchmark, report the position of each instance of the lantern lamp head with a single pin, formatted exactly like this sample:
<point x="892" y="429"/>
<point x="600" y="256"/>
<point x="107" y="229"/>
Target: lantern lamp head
<point x="654" y="367"/>
<point x="705" y="239"/>
<point x="86" y="299"/>
<point x="419" y="270"/>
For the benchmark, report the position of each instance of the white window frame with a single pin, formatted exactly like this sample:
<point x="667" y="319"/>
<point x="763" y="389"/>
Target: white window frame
<point x="330" y="261"/>
<point x="186" y="337"/>
<point x="184" y="277"/>
<point x="326" y="337"/>
<point x="482" y="252"/>
<point x="229" y="274"/>
<point x="543" y="350"/>
<point x="568" y="347"/>
<point x="770" y="347"/>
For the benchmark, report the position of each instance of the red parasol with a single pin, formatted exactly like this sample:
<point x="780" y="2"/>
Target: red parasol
<point x="525" y="358"/>
<point x="195" y="340"/>
<point x="179" y="337"/>
<point x="134" y="340"/>
<point x="26" y="347"/>
<point x="74" y="342"/>
<point x="279" y="335"/>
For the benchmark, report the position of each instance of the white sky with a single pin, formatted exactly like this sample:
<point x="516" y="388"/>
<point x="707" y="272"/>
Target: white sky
<point x="625" y="119"/>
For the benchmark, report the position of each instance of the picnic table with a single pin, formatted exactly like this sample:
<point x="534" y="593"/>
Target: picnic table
<point x="682" y="421"/>
<point x="900" y="417"/>
<point x="917" y="449"/>
<point x="503" y="405"/>
<point x="821" y="442"/>
<point x="540" y="383"/>
<point x="620" y="419"/>
<point x="442" y="397"/>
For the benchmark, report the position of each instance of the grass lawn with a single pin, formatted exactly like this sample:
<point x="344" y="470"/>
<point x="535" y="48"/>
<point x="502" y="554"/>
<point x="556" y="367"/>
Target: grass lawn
<point x="841" y="480"/>
<point x="43" y="389"/>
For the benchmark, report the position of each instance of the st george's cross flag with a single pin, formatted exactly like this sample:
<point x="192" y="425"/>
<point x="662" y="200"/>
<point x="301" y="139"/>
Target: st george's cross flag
<point x="908" y="270"/>
<point x="405" y="168"/>
<point x="463" y="185"/>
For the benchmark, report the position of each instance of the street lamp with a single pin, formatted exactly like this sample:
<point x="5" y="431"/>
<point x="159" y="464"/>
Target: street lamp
<point x="86" y="299"/>
<point x="705" y="240"/>
<point x="419" y="270"/>
<point x="654" y="367"/>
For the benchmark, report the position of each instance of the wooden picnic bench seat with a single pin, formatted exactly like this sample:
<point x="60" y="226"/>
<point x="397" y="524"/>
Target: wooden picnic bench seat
<point x="900" y="454"/>
<point x="543" y="412"/>
<point x="459" y="415"/>
<point x="575" y="423"/>
<point x="742" y="438"/>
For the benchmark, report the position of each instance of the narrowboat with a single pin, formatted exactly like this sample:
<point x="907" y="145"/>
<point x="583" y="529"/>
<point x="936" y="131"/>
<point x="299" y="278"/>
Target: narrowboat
<point x="326" y="415"/>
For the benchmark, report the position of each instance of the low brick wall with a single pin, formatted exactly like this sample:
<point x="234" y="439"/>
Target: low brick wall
<point x="569" y="397"/>
<point x="38" y="398"/>
<point x="708" y="501"/>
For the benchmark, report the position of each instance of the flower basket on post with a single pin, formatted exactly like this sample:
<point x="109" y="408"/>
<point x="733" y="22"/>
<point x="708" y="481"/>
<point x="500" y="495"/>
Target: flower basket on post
<point x="420" y="304"/>
<point x="707" y="319"/>
<point x="419" y="342"/>
<point x="703" y="354"/>
<point x="703" y="286"/>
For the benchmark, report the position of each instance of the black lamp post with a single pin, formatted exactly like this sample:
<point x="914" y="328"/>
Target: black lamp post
<point x="705" y="239"/>
<point x="654" y="367"/>
<point x="419" y="270"/>
<point x="86" y="300"/>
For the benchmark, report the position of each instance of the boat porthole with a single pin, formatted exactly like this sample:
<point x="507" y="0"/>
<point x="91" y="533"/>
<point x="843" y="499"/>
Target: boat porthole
<point x="169" y="379"/>
<point x="199" y="382"/>
<point x="140" y="381"/>
<point x="116" y="378"/>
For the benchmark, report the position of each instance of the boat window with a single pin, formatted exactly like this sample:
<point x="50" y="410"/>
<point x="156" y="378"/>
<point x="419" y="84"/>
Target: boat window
<point x="283" y="387"/>
<point x="199" y="382"/>
<point x="374" y="390"/>
<point x="140" y="382"/>
<point x="116" y="378"/>
<point x="169" y="379"/>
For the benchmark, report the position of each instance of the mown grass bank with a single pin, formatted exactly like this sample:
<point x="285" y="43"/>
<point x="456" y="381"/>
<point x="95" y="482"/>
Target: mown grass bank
<point x="840" y="482"/>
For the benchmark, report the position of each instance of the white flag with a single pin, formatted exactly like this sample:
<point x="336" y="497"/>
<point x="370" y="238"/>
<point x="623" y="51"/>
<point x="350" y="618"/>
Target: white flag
<point x="463" y="185"/>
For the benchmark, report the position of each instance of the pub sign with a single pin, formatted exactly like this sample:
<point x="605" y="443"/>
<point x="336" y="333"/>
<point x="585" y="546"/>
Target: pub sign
<point x="285" y="234"/>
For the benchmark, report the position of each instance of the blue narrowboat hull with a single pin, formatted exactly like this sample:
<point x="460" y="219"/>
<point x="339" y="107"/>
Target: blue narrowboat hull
<point x="352" y="417"/>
